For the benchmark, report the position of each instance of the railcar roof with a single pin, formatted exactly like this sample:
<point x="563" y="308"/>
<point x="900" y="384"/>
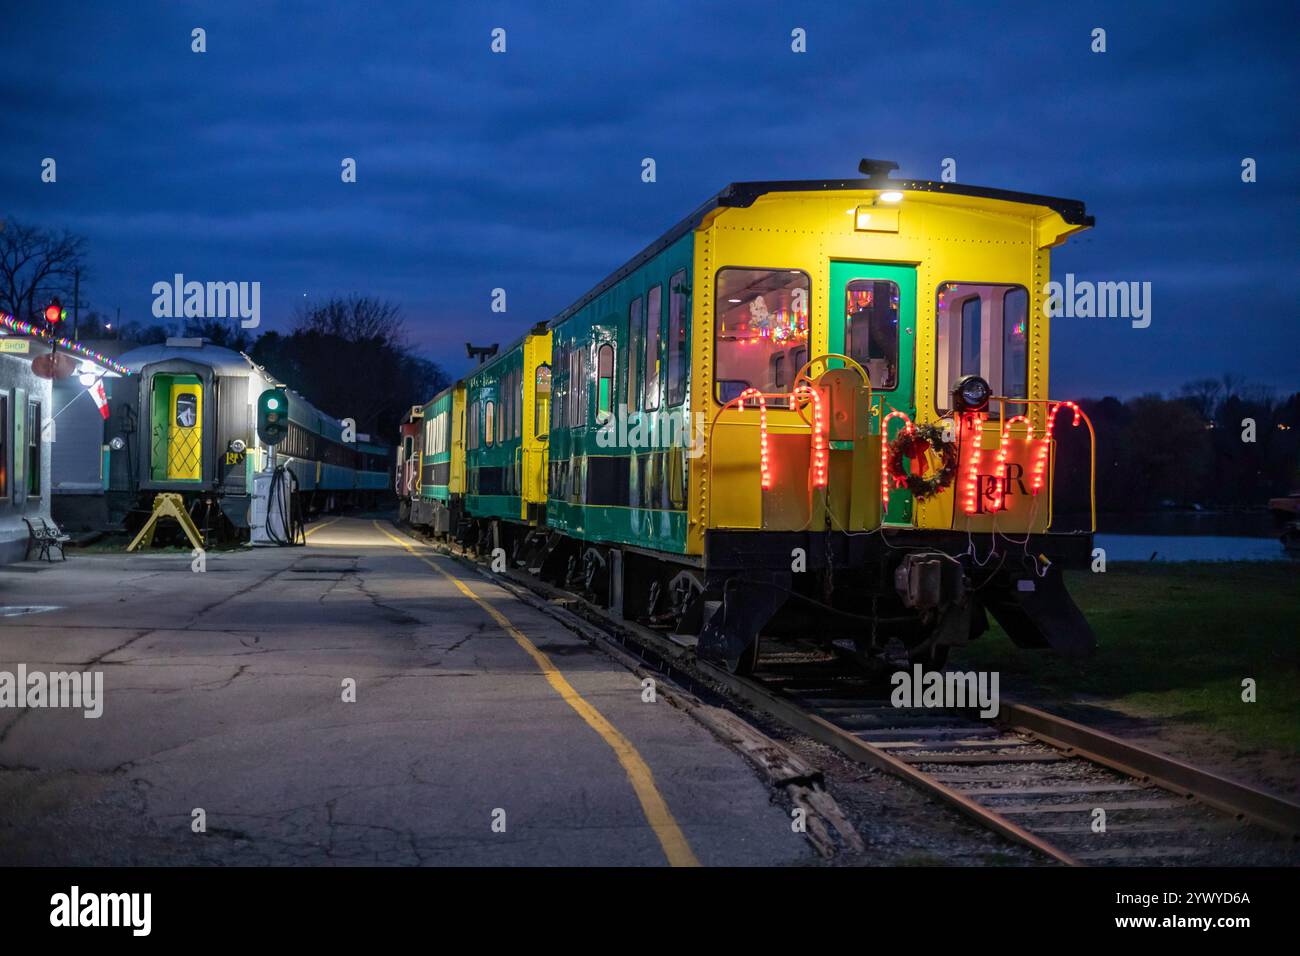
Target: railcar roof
<point x="743" y="195"/>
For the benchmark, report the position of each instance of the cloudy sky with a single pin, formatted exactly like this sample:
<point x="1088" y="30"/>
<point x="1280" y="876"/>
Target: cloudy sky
<point x="522" y="170"/>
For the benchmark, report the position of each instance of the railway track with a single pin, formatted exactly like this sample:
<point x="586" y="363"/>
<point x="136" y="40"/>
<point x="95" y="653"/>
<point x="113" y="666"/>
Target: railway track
<point x="1075" y="794"/>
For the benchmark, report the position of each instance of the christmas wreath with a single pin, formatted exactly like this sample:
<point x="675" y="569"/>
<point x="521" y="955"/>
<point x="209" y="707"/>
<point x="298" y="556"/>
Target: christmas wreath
<point x="912" y="443"/>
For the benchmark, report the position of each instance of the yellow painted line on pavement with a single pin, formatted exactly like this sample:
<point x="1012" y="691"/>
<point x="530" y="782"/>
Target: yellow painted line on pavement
<point x="660" y="818"/>
<point x="317" y="527"/>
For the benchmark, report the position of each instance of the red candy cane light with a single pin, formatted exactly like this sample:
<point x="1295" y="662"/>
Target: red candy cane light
<point x="970" y="499"/>
<point x="1003" y="446"/>
<point x="1040" y="465"/>
<point x="819" y="453"/>
<point x="884" y="452"/>
<point x="765" y="474"/>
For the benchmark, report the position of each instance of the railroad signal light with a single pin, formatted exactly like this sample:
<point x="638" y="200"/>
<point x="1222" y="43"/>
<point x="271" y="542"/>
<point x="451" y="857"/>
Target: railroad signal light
<point x="55" y="312"/>
<point x="272" y="416"/>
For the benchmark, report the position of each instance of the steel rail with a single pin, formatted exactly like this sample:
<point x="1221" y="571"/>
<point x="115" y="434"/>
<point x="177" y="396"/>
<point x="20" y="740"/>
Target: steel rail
<point x="1168" y="773"/>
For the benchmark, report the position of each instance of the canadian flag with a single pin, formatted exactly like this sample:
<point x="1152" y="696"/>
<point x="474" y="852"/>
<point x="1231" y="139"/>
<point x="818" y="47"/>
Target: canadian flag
<point x="101" y="399"/>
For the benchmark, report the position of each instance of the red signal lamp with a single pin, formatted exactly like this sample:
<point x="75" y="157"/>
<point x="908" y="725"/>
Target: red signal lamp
<point x="54" y="312"/>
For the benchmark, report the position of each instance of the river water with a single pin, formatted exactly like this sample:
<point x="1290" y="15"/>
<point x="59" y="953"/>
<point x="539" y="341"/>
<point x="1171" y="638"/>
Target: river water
<point x="1189" y="536"/>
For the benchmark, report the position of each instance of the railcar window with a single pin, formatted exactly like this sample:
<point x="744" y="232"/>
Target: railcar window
<point x="982" y="329"/>
<point x="778" y="370"/>
<point x="542" y="401"/>
<point x="557" y="403"/>
<point x="503" y="412"/>
<point x="574" y="397"/>
<point x="653" y="331"/>
<point x="678" y="310"/>
<point x="604" y="383"/>
<point x="634" y="320"/>
<point x="871" y="329"/>
<point x="760" y="313"/>
<point x="512" y="402"/>
<point x="972" y="339"/>
<point x="472" y="438"/>
<point x="489" y="421"/>
<point x="518" y="392"/>
<point x="1015" y="344"/>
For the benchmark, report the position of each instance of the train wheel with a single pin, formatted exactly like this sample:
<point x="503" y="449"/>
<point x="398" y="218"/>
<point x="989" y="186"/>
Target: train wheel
<point x="595" y="575"/>
<point x="684" y="592"/>
<point x="928" y="653"/>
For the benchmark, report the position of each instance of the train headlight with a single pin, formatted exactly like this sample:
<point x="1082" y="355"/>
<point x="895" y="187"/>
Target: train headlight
<point x="117" y="443"/>
<point x="971" y="394"/>
<point x="891" y="195"/>
<point x="237" y="445"/>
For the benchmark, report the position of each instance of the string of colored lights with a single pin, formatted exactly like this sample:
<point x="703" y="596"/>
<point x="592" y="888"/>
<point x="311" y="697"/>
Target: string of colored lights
<point x="67" y="344"/>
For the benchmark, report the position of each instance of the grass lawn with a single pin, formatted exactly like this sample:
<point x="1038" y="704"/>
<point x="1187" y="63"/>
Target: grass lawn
<point x="1175" y="641"/>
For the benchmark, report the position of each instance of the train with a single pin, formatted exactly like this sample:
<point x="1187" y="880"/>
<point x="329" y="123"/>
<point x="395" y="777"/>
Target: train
<point x="811" y="408"/>
<point x="184" y="421"/>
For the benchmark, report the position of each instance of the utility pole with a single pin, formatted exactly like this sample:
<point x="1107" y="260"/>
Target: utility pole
<point x="76" y="304"/>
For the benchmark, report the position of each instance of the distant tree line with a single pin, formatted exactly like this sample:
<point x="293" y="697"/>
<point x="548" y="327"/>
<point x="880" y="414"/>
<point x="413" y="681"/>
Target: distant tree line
<point x="1189" y="449"/>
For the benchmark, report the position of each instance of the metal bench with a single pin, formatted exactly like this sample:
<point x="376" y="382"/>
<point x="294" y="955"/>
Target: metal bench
<point x="44" y="538"/>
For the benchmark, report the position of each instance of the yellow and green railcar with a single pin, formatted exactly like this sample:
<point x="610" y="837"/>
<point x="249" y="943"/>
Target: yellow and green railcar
<point x="811" y="405"/>
<point x="506" y="442"/>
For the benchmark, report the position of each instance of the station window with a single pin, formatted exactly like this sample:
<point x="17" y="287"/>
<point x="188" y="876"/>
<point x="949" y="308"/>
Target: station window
<point x="4" y="447"/>
<point x="653" y="331"/>
<point x="678" y="311"/>
<point x="542" y="400"/>
<point x="982" y="329"/>
<point x="604" y="383"/>
<point x="871" y="329"/>
<point x="634" y="319"/>
<point x="33" y="449"/>
<point x="761" y="313"/>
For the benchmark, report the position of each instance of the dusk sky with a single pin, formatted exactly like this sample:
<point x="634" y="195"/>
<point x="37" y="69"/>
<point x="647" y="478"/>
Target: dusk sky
<point x="522" y="170"/>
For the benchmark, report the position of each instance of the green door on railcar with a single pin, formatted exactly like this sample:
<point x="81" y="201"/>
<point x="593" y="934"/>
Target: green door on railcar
<point x="873" y="322"/>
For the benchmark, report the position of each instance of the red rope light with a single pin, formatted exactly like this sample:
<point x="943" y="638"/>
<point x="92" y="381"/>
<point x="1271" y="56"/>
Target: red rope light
<point x="1040" y="465"/>
<point x="764" y="472"/>
<point x="819" y="453"/>
<point x="884" y="453"/>
<point x="972" y="422"/>
<point x="1003" y="441"/>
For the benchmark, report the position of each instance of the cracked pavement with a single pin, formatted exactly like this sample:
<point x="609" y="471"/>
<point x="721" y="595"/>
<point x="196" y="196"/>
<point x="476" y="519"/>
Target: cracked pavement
<point x="223" y="691"/>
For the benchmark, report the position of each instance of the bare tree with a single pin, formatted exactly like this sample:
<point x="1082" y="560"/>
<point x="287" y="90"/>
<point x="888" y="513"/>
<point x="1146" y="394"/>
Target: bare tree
<point x="36" y="263"/>
<point x="357" y="318"/>
<point x="1204" y="395"/>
